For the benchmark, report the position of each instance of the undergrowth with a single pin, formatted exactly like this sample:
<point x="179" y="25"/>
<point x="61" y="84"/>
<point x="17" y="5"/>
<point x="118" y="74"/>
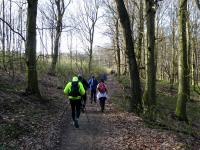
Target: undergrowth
<point x="164" y="112"/>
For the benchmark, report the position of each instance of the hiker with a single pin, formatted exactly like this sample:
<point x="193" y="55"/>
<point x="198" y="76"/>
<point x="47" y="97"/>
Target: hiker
<point x="84" y="97"/>
<point x="93" y="86"/>
<point x="74" y="89"/>
<point x="102" y="94"/>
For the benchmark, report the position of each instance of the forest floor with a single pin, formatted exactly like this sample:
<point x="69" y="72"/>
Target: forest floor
<point x="29" y="123"/>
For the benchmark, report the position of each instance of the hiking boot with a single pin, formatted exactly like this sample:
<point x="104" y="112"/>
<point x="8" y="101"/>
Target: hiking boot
<point x="76" y="123"/>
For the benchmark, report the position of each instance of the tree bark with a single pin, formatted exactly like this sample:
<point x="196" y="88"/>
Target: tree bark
<point x="60" y="12"/>
<point x="3" y="38"/>
<point x="140" y="34"/>
<point x="173" y="62"/>
<point x="149" y="97"/>
<point x="188" y="52"/>
<point x="30" y="46"/>
<point x="183" y="63"/>
<point x="135" y="101"/>
<point x="118" y="48"/>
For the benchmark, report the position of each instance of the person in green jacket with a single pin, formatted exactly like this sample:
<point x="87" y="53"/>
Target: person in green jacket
<point x="74" y="90"/>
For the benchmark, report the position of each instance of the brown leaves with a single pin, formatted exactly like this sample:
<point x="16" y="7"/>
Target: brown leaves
<point x="129" y="132"/>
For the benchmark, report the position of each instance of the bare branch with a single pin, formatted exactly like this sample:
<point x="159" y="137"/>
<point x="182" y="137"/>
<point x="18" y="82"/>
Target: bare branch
<point x="13" y="29"/>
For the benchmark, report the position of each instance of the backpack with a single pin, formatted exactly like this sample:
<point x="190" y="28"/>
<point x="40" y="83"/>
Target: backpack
<point x="102" y="87"/>
<point x="74" y="89"/>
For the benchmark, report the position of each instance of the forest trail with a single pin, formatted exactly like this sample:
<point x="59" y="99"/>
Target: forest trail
<point x="115" y="129"/>
<point x="93" y="128"/>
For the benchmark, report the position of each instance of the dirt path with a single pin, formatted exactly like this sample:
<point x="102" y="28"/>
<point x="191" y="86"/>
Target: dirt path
<point x="93" y="128"/>
<point x="116" y="130"/>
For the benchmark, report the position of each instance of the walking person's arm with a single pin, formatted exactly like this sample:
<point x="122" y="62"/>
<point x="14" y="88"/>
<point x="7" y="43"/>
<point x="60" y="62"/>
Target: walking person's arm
<point x="81" y="89"/>
<point x="67" y="88"/>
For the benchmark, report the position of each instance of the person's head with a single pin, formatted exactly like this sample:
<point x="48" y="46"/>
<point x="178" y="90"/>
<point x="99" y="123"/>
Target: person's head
<point x="102" y="80"/>
<point x="93" y="76"/>
<point x="75" y="78"/>
<point x="80" y="77"/>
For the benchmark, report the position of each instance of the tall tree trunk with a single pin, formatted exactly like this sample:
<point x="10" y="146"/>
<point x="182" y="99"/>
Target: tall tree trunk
<point x="188" y="52"/>
<point x="55" y="51"/>
<point x="140" y="34"/>
<point x="56" y="47"/>
<point x="21" y="32"/>
<point x="195" y="59"/>
<point x="118" y="48"/>
<point x="173" y="62"/>
<point x="149" y="97"/>
<point x="10" y="38"/>
<point x="135" y="101"/>
<point x="3" y="38"/>
<point x="60" y="12"/>
<point x="91" y="46"/>
<point x="183" y="65"/>
<point x="30" y="46"/>
<point x="90" y="57"/>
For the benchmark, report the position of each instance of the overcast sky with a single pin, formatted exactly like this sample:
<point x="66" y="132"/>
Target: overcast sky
<point x="99" y="38"/>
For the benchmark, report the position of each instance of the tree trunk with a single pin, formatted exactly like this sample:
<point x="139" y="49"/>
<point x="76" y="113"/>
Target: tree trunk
<point x="30" y="47"/>
<point x="91" y="47"/>
<point x="140" y="35"/>
<point x="56" y="47"/>
<point x="3" y="38"/>
<point x="188" y="53"/>
<point x="118" y="48"/>
<point x="135" y="101"/>
<point x="55" y="54"/>
<point x="90" y="57"/>
<point x="183" y="65"/>
<point x="60" y="12"/>
<point x="149" y="96"/>
<point x="172" y="80"/>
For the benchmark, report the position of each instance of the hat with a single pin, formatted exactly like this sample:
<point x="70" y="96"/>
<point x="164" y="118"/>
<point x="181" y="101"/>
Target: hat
<point x="75" y="79"/>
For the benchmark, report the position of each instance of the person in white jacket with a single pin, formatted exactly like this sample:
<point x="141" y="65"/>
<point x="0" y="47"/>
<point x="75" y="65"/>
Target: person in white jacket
<point x="102" y="94"/>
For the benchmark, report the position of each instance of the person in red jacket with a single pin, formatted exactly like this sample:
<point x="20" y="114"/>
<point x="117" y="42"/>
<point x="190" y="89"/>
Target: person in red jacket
<point x="102" y="94"/>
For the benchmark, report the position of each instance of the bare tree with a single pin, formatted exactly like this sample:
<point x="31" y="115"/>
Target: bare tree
<point x="60" y="7"/>
<point x="86" y="21"/>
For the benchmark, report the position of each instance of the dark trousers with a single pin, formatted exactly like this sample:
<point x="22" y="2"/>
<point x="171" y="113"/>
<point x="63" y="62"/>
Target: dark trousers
<point x="84" y="99"/>
<point x="75" y="106"/>
<point x="102" y="103"/>
<point x="93" y="95"/>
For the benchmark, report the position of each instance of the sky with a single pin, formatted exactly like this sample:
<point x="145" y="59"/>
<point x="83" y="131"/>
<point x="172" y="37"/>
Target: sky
<point x="100" y="40"/>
